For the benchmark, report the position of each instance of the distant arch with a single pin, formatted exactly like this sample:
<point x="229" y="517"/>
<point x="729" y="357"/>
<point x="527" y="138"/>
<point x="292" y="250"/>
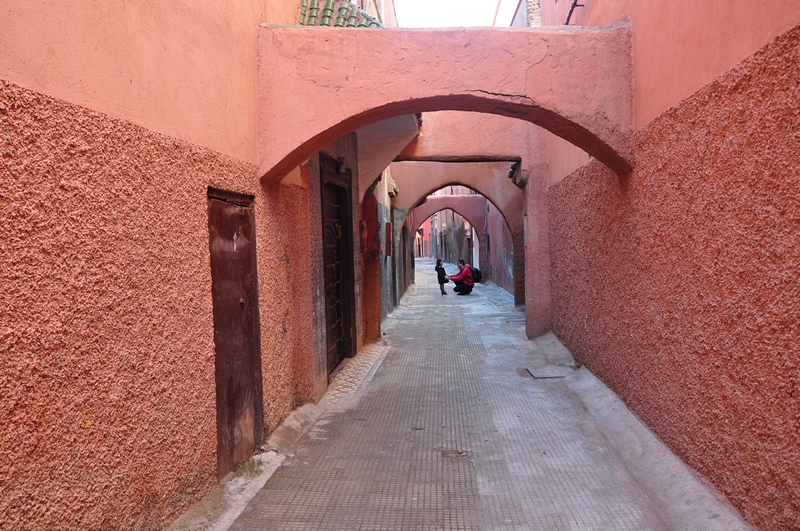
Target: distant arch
<point x="418" y="179"/>
<point x="469" y="207"/>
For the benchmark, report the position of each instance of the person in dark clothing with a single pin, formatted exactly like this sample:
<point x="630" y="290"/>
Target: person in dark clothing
<point x="440" y="272"/>
<point x="463" y="278"/>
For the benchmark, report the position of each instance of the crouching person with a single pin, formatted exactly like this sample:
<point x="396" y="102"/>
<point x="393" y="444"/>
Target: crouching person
<point x="463" y="278"/>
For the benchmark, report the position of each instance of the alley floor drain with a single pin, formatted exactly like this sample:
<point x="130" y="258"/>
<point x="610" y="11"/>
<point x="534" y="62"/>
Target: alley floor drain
<point x="456" y="454"/>
<point x="551" y="371"/>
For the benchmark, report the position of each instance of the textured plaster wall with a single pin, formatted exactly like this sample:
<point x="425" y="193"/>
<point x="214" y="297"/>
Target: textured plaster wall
<point x="107" y="401"/>
<point x="295" y="333"/>
<point x="678" y="285"/>
<point x="286" y="299"/>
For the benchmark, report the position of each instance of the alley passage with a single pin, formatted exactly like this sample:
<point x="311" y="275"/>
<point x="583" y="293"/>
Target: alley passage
<point x="452" y="432"/>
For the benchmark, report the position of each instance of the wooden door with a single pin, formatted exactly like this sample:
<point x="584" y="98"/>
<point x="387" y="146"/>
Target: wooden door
<point x="338" y="262"/>
<point x="234" y="288"/>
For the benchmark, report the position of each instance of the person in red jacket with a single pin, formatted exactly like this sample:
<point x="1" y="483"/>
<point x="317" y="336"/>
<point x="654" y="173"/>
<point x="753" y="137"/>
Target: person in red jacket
<point x="463" y="278"/>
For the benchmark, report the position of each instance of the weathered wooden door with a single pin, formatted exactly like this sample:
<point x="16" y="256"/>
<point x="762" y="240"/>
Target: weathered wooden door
<point x="338" y="262"/>
<point x="234" y="288"/>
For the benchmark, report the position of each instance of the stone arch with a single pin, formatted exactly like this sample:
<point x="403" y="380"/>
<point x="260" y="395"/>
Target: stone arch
<point x="469" y="207"/>
<point x="418" y="179"/>
<point x="316" y="84"/>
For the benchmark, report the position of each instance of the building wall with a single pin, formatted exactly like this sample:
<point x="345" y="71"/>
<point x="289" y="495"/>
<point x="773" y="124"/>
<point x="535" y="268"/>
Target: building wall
<point x="677" y="285"/>
<point x="680" y="46"/>
<point x="106" y="312"/>
<point x="386" y="263"/>
<point x="185" y="68"/>
<point x="115" y="120"/>
<point x="500" y="256"/>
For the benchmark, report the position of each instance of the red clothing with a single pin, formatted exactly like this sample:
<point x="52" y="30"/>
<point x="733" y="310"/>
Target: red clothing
<point x="465" y="276"/>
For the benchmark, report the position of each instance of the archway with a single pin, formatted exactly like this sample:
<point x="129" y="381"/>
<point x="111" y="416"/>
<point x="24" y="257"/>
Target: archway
<point x="497" y="255"/>
<point x="536" y="75"/>
<point x="470" y="207"/>
<point x="418" y="179"/>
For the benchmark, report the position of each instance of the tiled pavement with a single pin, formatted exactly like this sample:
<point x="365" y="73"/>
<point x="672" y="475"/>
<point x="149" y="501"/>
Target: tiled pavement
<point x="451" y="432"/>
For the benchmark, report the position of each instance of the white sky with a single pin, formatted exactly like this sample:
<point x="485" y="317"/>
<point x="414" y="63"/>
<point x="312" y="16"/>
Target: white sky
<point x="451" y="13"/>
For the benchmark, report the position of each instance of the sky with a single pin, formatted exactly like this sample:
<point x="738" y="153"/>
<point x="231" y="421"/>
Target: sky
<point x="447" y="13"/>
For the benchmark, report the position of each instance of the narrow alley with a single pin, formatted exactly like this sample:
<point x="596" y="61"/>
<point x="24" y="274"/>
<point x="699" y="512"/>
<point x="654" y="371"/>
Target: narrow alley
<point x="448" y="429"/>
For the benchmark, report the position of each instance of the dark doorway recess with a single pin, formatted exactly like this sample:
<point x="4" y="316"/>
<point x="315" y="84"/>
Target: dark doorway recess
<point x="234" y="289"/>
<point x="407" y="261"/>
<point x="337" y="261"/>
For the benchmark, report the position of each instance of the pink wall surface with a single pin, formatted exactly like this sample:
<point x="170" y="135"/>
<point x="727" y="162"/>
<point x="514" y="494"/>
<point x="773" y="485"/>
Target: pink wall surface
<point x="562" y="158"/>
<point x="107" y="393"/>
<point x="442" y="137"/>
<point x="288" y="344"/>
<point x="677" y="285"/>
<point x="185" y="68"/>
<point x="680" y="46"/>
<point x="500" y="252"/>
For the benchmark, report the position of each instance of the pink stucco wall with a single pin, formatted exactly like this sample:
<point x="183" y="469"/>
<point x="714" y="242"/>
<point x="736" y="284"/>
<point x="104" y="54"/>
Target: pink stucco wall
<point x="186" y="68"/>
<point x="678" y="284"/>
<point x="680" y="46"/>
<point x="107" y="395"/>
<point x="442" y="137"/>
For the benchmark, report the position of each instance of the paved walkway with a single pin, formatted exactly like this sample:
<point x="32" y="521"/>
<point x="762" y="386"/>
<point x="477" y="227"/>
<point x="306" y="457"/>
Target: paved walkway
<point x="447" y="429"/>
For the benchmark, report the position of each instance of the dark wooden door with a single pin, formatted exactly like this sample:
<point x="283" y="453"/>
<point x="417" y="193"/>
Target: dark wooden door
<point x="337" y="260"/>
<point x="240" y="412"/>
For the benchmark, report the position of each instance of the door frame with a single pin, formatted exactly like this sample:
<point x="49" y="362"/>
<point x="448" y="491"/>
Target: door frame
<point x="334" y="172"/>
<point x="245" y="201"/>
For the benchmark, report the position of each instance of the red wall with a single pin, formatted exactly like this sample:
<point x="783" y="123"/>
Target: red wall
<point x="678" y="285"/>
<point x="107" y="394"/>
